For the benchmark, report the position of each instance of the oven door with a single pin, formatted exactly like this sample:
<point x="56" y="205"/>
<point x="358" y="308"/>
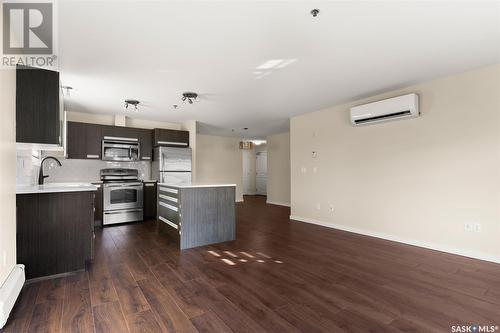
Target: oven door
<point x="115" y="151"/>
<point x="122" y="196"/>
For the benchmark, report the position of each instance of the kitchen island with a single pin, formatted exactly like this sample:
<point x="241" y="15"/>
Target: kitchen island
<point x="197" y="215"/>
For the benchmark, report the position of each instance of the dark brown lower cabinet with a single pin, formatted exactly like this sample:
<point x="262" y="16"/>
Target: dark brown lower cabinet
<point x="150" y="200"/>
<point x="98" y="205"/>
<point x="55" y="232"/>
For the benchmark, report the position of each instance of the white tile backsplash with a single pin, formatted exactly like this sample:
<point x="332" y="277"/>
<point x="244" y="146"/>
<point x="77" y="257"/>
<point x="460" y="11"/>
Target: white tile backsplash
<point x="71" y="170"/>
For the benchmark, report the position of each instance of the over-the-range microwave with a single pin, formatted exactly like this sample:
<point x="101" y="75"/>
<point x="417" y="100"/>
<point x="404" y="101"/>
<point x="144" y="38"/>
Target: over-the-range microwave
<point x="120" y="149"/>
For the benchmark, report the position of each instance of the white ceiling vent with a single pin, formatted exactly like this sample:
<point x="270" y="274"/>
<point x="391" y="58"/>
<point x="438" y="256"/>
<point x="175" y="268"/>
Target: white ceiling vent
<point x="401" y="107"/>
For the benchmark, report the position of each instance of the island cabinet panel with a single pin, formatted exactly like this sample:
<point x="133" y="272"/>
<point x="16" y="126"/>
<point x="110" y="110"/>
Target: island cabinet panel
<point x="54" y="232"/>
<point x="197" y="216"/>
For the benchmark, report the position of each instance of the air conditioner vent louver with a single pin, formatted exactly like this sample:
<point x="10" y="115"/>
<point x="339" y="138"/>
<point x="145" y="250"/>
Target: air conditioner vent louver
<point x="400" y="107"/>
<point x="386" y="116"/>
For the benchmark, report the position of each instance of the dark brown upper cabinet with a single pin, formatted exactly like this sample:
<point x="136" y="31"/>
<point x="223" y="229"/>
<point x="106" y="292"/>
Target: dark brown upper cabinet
<point x="38" y="109"/>
<point x="83" y="140"/>
<point x="170" y="138"/>
<point x="146" y="140"/>
<point x="76" y="136"/>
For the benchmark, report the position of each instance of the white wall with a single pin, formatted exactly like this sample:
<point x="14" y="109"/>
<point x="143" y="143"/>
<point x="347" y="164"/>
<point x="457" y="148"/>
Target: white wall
<point x="219" y="160"/>
<point x="109" y="119"/>
<point x="417" y="181"/>
<point x="278" y="169"/>
<point x="192" y="127"/>
<point x="8" y="172"/>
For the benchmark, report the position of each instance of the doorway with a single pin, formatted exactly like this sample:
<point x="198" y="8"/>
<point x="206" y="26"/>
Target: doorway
<point x="261" y="172"/>
<point x="254" y="158"/>
<point x="248" y="172"/>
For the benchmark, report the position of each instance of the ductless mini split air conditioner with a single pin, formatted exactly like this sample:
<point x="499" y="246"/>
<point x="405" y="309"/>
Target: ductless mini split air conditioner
<point x="401" y="107"/>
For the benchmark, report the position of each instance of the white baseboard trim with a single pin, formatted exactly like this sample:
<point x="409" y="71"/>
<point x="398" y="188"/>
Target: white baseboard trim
<point x="427" y="245"/>
<point x="239" y="200"/>
<point x="278" y="203"/>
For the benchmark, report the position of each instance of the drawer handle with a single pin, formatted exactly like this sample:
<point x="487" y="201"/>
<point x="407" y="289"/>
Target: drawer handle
<point x="170" y="190"/>
<point x="173" y="225"/>
<point x="149" y="184"/>
<point x="166" y="197"/>
<point x="175" y="209"/>
<point x="145" y="158"/>
<point x="92" y="156"/>
<point x="172" y="143"/>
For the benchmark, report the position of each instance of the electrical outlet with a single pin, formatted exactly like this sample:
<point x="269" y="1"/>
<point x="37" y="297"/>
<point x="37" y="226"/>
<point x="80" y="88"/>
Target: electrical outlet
<point x="303" y="169"/>
<point x="318" y="206"/>
<point x="468" y="227"/>
<point x="477" y="227"/>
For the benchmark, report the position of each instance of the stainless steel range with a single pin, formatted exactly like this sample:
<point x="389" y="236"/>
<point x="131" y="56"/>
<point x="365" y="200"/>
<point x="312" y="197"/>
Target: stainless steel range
<point x="122" y="196"/>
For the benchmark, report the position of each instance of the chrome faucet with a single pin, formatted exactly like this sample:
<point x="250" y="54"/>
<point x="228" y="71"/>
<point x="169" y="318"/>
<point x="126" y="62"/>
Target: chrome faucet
<point x="41" y="177"/>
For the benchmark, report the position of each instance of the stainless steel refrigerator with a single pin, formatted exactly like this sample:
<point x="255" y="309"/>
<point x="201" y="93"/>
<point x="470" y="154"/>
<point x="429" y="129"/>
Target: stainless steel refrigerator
<point x="172" y="165"/>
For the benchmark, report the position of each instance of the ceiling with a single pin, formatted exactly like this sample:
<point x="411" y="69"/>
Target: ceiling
<point x="153" y="51"/>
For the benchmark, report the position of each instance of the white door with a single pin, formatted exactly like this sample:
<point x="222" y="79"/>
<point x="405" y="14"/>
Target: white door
<point x="246" y="172"/>
<point x="261" y="172"/>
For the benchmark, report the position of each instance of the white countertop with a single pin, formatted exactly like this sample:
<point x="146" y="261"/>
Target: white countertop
<point x="55" y="187"/>
<point x="195" y="185"/>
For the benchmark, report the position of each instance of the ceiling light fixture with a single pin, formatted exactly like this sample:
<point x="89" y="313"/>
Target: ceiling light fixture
<point x="190" y="97"/>
<point x="133" y="102"/>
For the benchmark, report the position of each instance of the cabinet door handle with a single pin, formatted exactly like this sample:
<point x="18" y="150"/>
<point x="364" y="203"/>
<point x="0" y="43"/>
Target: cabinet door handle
<point x="92" y="156"/>
<point x="145" y="158"/>
<point x="176" y="143"/>
<point x="120" y="138"/>
<point x="149" y="184"/>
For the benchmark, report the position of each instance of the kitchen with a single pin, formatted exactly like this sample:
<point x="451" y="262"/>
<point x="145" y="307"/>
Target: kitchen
<point x="123" y="175"/>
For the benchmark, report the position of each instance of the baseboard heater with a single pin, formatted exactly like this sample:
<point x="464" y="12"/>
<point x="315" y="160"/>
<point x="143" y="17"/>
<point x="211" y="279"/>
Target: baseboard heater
<point x="9" y="292"/>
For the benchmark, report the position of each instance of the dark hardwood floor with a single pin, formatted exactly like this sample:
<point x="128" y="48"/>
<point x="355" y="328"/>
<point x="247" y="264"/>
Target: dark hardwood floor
<point x="278" y="276"/>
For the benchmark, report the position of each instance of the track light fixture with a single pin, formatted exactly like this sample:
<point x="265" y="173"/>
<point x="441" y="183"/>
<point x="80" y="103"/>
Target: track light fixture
<point x="133" y="102"/>
<point x="190" y="97"/>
